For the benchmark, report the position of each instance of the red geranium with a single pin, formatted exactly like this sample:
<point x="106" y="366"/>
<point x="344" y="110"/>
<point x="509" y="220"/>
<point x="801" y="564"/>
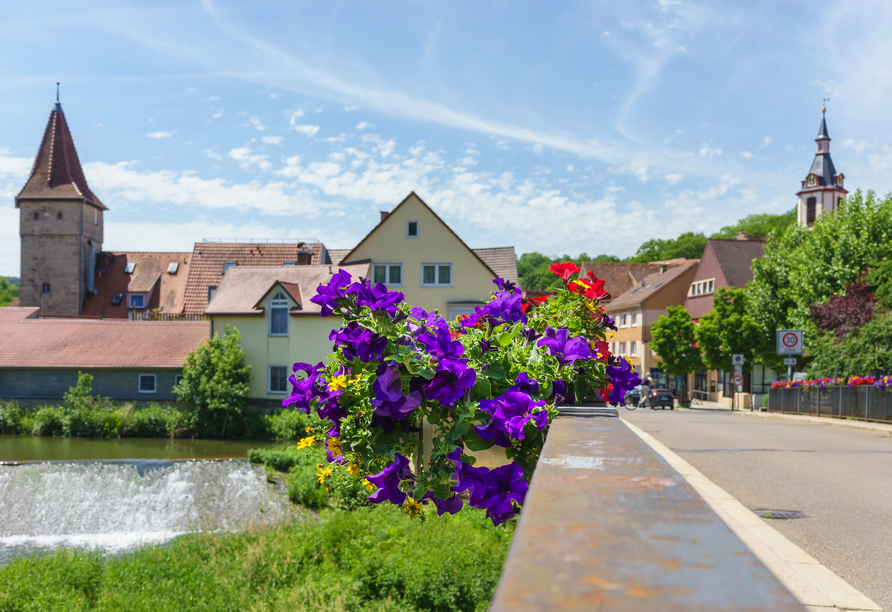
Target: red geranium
<point x="536" y="300"/>
<point x="564" y="270"/>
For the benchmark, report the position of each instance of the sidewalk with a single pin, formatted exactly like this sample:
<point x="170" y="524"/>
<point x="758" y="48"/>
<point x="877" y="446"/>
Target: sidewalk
<point x="883" y="428"/>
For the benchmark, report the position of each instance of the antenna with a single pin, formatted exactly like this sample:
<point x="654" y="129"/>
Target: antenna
<point x="826" y="100"/>
<point x="57" y="92"/>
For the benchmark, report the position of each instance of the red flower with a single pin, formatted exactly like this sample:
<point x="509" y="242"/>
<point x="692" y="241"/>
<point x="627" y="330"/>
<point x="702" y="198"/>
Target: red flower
<point x="537" y="300"/>
<point x="606" y="391"/>
<point x="603" y="350"/>
<point x="593" y="290"/>
<point x="564" y="270"/>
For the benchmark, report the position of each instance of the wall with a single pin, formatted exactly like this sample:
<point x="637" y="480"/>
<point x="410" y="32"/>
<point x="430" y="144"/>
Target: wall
<point x="471" y="280"/>
<point x="118" y="384"/>
<point x="307" y="341"/>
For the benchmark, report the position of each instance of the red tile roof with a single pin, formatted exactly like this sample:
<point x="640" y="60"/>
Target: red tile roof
<point x="95" y="343"/>
<point x="150" y="272"/>
<point x="57" y="171"/>
<point x="206" y="266"/>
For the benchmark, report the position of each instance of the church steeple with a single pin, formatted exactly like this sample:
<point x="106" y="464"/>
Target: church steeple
<point x="822" y="190"/>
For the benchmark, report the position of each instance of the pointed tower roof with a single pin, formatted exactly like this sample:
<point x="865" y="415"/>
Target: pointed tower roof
<point x="823" y="131"/>
<point x="57" y="171"/>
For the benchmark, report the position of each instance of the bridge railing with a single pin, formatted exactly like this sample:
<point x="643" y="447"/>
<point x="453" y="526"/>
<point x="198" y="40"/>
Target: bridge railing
<point x="608" y="525"/>
<point x="861" y="402"/>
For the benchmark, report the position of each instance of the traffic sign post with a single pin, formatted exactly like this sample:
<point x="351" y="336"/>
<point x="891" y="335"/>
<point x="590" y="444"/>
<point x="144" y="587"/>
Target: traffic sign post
<point x="738" y="380"/>
<point x="790" y="361"/>
<point x="789" y="342"/>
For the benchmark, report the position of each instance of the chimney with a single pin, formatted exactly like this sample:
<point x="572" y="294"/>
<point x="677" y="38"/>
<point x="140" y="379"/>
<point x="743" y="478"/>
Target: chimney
<point x="384" y="215"/>
<point x="741" y="236"/>
<point x="663" y="269"/>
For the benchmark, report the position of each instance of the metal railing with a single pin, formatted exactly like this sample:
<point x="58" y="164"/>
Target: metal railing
<point x="608" y="525"/>
<point x="863" y="402"/>
<point x="138" y="315"/>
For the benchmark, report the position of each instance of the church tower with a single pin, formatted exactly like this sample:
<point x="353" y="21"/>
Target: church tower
<point x="60" y="225"/>
<point x="822" y="189"/>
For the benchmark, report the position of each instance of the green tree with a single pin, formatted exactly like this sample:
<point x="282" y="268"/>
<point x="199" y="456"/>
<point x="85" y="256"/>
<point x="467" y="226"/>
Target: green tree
<point x="728" y="329"/>
<point x="689" y="245"/>
<point x="8" y="291"/>
<point x="673" y="338"/>
<point x="758" y="225"/>
<point x="864" y="351"/>
<point x="215" y="382"/>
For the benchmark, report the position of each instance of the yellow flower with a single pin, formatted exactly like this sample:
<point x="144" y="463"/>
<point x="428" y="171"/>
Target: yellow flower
<point x="412" y="508"/>
<point x="306" y="442"/>
<point x="357" y="379"/>
<point x="309" y="429"/>
<point x="591" y="305"/>
<point x="629" y="361"/>
<point x="369" y="486"/>
<point x="334" y="446"/>
<point x="338" y="382"/>
<point x="323" y="473"/>
<point x="353" y="469"/>
<point x="611" y="336"/>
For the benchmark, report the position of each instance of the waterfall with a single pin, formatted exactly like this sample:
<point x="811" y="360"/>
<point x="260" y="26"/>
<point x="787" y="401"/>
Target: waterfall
<point x="116" y="506"/>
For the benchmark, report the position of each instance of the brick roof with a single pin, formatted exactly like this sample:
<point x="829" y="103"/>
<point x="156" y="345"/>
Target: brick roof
<point x="650" y="285"/>
<point x="242" y="289"/>
<point x="95" y="343"/>
<point x="150" y="272"/>
<point x="619" y="277"/>
<point x="206" y="266"/>
<point x="500" y="260"/>
<point x="57" y="171"/>
<point x="735" y="257"/>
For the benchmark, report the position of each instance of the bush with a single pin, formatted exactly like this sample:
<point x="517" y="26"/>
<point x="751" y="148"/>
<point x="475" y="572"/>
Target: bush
<point x="156" y="421"/>
<point x="286" y="425"/>
<point x="11" y="417"/>
<point x="45" y="421"/>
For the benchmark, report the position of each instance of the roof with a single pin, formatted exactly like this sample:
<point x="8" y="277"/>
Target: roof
<point x="242" y="289"/>
<point x="436" y="216"/>
<point x="619" y="277"/>
<point x="822" y="133"/>
<point x="649" y="286"/>
<point x="822" y="166"/>
<point x="735" y="258"/>
<point x="150" y="272"/>
<point x="95" y="343"/>
<point x="336" y="256"/>
<point x="291" y="289"/>
<point x="501" y="260"/>
<point x="206" y="266"/>
<point x="57" y="171"/>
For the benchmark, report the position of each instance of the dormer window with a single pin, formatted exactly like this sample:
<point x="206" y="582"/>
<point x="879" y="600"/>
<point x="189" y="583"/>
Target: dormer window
<point x="412" y="229"/>
<point x="136" y="301"/>
<point x="128" y="269"/>
<point x="116" y="299"/>
<point x="278" y="315"/>
<point x="172" y="267"/>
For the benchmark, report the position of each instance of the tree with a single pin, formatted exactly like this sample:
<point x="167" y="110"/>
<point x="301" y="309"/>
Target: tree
<point x="673" y="338"/>
<point x="864" y="351"/>
<point x="215" y="382"/>
<point x="688" y="245"/>
<point x="844" y="312"/>
<point x="728" y="329"/>
<point x="758" y="225"/>
<point x="8" y="291"/>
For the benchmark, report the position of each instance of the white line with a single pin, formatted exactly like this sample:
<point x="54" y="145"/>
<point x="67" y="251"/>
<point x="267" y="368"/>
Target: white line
<point x="810" y="582"/>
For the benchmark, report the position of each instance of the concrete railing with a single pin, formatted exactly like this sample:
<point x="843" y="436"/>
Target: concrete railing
<point x="608" y="525"/>
<point x="863" y="402"/>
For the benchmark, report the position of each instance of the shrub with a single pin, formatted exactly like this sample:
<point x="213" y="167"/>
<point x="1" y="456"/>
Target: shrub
<point x="286" y="425"/>
<point x="11" y="418"/>
<point x="46" y="421"/>
<point x="156" y="421"/>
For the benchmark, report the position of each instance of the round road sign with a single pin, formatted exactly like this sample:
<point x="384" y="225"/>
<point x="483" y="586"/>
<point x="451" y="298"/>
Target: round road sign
<point x="790" y="339"/>
<point x="738" y="380"/>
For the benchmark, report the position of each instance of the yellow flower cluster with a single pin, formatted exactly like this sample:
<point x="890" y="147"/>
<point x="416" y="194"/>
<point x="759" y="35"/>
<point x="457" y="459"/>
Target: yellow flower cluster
<point x="323" y="473"/>
<point x="334" y="446"/>
<point x="353" y="469"/>
<point x="338" y="382"/>
<point x="412" y="508"/>
<point x="369" y="486"/>
<point x="306" y="442"/>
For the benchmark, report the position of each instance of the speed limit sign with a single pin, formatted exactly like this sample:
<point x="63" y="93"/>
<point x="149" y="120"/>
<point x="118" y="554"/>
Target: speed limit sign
<point x="789" y="342"/>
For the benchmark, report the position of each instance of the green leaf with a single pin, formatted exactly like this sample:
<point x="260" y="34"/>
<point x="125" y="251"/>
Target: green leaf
<point x="473" y="441"/>
<point x="482" y="389"/>
<point x="496" y="372"/>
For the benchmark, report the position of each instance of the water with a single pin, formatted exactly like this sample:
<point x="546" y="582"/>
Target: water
<point x="113" y="504"/>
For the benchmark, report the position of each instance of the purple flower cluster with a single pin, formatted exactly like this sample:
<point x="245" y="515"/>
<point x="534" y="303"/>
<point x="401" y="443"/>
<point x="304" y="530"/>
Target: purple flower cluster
<point x="389" y="400"/>
<point x="388" y="481"/>
<point x="490" y="490"/>
<point x="358" y="342"/>
<point x="453" y="378"/>
<point x="623" y="378"/>
<point x="508" y="415"/>
<point x="337" y="292"/>
<point x="305" y="391"/>
<point x="557" y="343"/>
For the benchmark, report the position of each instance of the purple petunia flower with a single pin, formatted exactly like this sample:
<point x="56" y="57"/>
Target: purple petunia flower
<point x="451" y="505"/>
<point x="503" y="485"/>
<point x="468" y="478"/>
<point x="441" y="346"/>
<point x="529" y="336"/>
<point x="448" y="386"/>
<point x="388" y="482"/>
<point x="623" y="377"/>
<point x="358" y="342"/>
<point x="377" y="298"/>
<point x="328" y="296"/>
<point x="557" y="343"/>
<point x="525" y="384"/>
<point x="303" y="392"/>
<point x="504" y="285"/>
<point x="389" y="400"/>
<point x="331" y="411"/>
<point x="487" y="347"/>
<point x="510" y="413"/>
<point x="559" y="392"/>
<point x="506" y="308"/>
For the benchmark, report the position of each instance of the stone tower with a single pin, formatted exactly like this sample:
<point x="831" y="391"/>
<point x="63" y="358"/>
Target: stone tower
<point x="822" y="189"/>
<point x="60" y="225"/>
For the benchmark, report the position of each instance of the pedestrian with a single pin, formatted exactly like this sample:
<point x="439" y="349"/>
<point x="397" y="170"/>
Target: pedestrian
<point x="643" y="392"/>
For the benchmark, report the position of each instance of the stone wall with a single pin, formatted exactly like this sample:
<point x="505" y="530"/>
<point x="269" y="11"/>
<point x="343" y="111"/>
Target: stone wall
<point x="51" y="384"/>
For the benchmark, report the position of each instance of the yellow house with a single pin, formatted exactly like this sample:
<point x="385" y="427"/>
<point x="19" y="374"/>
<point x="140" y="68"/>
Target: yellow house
<point x="413" y="251"/>
<point x="279" y="324"/>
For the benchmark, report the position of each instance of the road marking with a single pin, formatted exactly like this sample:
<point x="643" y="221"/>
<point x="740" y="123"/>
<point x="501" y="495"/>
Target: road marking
<point x="810" y="582"/>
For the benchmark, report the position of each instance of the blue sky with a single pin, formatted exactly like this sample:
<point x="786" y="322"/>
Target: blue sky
<point x="556" y="127"/>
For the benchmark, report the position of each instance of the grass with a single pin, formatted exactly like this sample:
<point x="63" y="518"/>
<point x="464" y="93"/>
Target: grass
<point x="369" y="559"/>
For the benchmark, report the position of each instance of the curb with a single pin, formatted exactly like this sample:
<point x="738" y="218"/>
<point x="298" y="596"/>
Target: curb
<point x="810" y="582"/>
<point x="882" y="428"/>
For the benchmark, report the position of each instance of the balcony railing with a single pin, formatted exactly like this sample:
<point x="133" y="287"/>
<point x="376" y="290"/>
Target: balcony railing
<point x="608" y="525"/>
<point x="141" y="315"/>
<point x="863" y="402"/>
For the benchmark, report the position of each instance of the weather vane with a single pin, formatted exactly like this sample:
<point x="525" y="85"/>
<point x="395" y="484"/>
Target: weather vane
<point x="826" y="100"/>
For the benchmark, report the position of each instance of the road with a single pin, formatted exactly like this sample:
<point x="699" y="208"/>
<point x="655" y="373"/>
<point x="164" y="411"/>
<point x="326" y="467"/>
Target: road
<point x="840" y="478"/>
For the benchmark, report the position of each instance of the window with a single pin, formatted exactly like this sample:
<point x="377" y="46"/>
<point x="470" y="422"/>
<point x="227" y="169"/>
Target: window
<point x="288" y="264"/>
<point x="146" y="383"/>
<point x="136" y="301"/>
<point x="412" y="229"/>
<point x="634" y="319"/>
<point x="278" y="379"/>
<point x="212" y="289"/>
<point x="624" y="320"/>
<point x="278" y="315"/>
<point x="622" y="348"/>
<point x="46" y="287"/>
<point x="58" y="216"/>
<point x="128" y="269"/>
<point x="711" y="286"/>
<point x="95" y="216"/>
<point x="177" y="380"/>
<point x="436" y="275"/>
<point x="389" y="274"/>
<point x="37" y="216"/>
<point x="810" y="210"/>
<point x="229" y="264"/>
<point x="633" y="348"/>
<point x="117" y="299"/>
<point x="172" y="267"/>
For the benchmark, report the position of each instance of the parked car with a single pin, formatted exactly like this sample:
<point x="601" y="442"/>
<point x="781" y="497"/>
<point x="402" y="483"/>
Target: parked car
<point x="662" y="398"/>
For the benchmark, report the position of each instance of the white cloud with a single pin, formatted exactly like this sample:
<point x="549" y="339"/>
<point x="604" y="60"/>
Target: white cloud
<point x="309" y="130"/>
<point x="673" y="178"/>
<point x="766" y="142"/>
<point x="468" y="161"/>
<point x="570" y="168"/>
<point x="350" y="109"/>
<point x="274" y="140"/>
<point x="364" y="125"/>
<point x="212" y="154"/>
<point x="160" y="134"/>
<point x="746" y="154"/>
<point x="295" y="115"/>
<point x="246" y="159"/>
<point x="858" y="145"/>
<point x="14" y="166"/>
<point x="705" y="151"/>
<point x="255" y="121"/>
<point x="217" y="115"/>
<point x="340" y="138"/>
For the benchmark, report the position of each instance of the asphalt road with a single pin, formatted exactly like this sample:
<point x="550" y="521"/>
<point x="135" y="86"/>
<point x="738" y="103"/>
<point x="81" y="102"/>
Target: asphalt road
<point x="840" y="478"/>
